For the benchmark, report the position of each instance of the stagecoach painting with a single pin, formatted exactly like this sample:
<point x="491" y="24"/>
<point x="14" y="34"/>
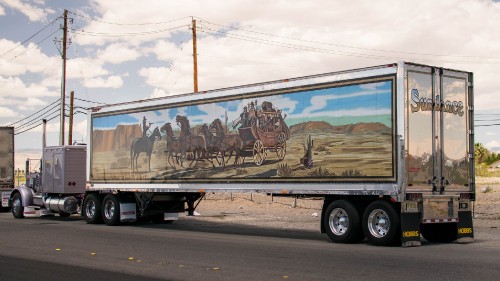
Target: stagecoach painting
<point x="263" y="130"/>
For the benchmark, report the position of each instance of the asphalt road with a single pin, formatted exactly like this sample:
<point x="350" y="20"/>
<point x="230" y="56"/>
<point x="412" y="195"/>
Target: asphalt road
<point x="195" y="249"/>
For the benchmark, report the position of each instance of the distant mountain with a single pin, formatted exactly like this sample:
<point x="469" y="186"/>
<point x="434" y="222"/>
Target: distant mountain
<point x="325" y="127"/>
<point x="119" y="138"/>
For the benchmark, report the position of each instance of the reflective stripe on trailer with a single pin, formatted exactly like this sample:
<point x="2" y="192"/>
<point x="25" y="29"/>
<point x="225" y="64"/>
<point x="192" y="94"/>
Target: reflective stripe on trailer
<point x="439" y="220"/>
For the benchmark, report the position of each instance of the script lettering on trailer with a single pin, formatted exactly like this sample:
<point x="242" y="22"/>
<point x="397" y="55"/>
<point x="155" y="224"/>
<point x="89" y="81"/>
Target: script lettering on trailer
<point x="426" y="104"/>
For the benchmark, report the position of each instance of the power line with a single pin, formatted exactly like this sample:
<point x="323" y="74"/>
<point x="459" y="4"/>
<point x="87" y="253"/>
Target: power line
<point x="208" y="30"/>
<point x="28" y="49"/>
<point x="35" y="113"/>
<point x="489" y="125"/>
<point x="39" y="118"/>
<point x="95" y="102"/>
<point x="37" y="125"/>
<point x="49" y="119"/>
<point x="22" y="43"/>
<point x="128" y="24"/>
<point x="343" y="46"/>
<point x="127" y="34"/>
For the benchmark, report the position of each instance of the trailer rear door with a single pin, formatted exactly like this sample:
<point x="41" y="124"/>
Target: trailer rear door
<point x="437" y="129"/>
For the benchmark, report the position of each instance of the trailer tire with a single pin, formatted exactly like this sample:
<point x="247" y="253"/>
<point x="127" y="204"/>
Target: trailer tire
<point x="17" y="206"/>
<point x="439" y="232"/>
<point x="92" y="209"/>
<point x="111" y="210"/>
<point x="342" y="222"/>
<point x="381" y="223"/>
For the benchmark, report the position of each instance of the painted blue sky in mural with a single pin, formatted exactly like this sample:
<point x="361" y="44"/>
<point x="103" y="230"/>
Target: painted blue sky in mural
<point x="360" y="101"/>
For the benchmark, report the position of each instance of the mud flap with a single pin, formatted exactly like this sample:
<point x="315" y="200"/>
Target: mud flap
<point x="410" y="224"/>
<point x="128" y="212"/>
<point x="410" y="229"/>
<point x="465" y="228"/>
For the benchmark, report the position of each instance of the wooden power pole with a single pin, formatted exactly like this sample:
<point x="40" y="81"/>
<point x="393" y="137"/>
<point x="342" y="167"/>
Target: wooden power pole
<point x="63" y="82"/>
<point x="70" y="126"/>
<point x="195" y="58"/>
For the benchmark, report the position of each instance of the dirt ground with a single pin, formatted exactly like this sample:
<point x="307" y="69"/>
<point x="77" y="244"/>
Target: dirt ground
<point x="289" y="214"/>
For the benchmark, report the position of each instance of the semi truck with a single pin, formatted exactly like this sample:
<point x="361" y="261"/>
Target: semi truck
<point x="389" y="149"/>
<point x="6" y="165"/>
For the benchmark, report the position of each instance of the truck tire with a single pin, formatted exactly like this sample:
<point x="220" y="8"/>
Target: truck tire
<point x="17" y="206"/>
<point x="439" y="232"/>
<point x="92" y="209"/>
<point x="111" y="210"/>
<point x="381" y="224"/>
<point x="342" y="222"/>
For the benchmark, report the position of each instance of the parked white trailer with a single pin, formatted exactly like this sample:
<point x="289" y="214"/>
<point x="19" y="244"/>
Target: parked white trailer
<point x="6" y="165"/>
<point x="390" y="149"/>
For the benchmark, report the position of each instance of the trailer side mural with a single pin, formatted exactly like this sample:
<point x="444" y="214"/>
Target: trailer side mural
<point x="325" y="133"/>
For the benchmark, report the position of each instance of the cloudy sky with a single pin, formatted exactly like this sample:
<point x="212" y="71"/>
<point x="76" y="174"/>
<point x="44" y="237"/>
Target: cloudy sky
<point x="339" y="106"/>
<point x="129" y="50"/>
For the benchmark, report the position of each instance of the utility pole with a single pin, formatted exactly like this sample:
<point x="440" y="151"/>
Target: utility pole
<point x="70" y="127"/>
<point x="195" y="58"/>
<point x="63" y="79"/>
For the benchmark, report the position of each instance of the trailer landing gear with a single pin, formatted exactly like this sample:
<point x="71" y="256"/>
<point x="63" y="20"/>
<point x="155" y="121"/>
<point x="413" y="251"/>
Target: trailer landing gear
<point x="191" y="200"/>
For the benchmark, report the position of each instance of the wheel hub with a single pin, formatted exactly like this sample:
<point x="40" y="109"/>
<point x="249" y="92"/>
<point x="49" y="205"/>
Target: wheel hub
<point x="339" y="221"/>
<point x="378" y="223"/>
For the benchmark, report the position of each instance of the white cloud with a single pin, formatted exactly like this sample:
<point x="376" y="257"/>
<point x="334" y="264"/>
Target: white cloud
<point x="492" y="144"/>
<point x="14" y="87"/>
<point x="109" y="82"/>
<point x="2" y="11"/>
<point x="86" y="67"/>
<point x="23" y="59"/>
<point x="33" y="12"/>
<point x="156" y="76"/>
<point x="158" y="93"/>
<point x="320" y="102"/>
<point x="118" y="53"/>
<point x="7" y="112"/>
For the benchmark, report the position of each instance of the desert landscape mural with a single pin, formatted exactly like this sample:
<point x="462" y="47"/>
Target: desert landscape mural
<point x="331" y="134"/>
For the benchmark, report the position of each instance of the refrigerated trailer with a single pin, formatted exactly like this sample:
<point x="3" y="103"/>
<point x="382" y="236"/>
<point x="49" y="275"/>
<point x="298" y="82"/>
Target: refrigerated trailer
<point x="389" y="148"/>
<point x="6" y="165"/>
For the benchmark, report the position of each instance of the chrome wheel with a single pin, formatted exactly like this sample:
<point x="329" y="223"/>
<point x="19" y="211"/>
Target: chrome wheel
<point x="17" y="206"/>
<point x="90" y="209"/>
<point x="109" y="209"/>
<point x="379" y="223"/>
<point x="338" y="221"/>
